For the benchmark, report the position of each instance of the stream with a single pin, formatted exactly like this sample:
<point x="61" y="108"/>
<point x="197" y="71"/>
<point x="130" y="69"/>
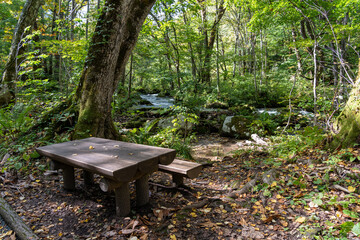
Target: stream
<point x="156" y="101"/>
<point x="166" y="102"/>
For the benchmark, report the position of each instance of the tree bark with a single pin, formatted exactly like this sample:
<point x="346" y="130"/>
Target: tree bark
<point x="15" y="222"/>
<point x="347" y="125"/>
<point x="209" y="42"/>
<point x="115" y="36"/>
<point x="27" y="19"/>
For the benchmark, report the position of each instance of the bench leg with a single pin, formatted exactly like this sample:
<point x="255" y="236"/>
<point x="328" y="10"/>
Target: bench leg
<point x="142" y="190"/>
<point x="122" y="200"/>
<point x="178" y="179"/>
<point x="69" y="177"/>
<point x="88" y="178"/>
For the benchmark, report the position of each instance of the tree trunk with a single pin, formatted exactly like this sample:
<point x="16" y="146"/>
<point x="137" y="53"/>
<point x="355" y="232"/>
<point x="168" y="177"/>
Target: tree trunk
<point x="209" y="42"/>
<point x="130" y="76"/>
<point x="115" y="36"/>
<point x="191" y="51"/>
<point x="27" y="19"/>
<point x="347" y="125"/>
<point x="296" y="49"/>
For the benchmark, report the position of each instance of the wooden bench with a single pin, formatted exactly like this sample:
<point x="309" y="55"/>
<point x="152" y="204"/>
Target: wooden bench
<point x="180" y="169"/>
<point x="118" y="162"/>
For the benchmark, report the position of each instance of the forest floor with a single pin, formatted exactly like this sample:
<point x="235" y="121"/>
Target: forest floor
<point x="305" y="198"/>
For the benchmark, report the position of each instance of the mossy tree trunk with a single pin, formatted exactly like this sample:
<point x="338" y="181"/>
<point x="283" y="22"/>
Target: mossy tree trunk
<point x="115" y="36"/>
<point x="347" y="125"/>
<point x="26" y="19"/>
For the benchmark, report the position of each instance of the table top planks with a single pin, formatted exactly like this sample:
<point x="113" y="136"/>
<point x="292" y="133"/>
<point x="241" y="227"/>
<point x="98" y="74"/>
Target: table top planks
<point x="113" y="159"/>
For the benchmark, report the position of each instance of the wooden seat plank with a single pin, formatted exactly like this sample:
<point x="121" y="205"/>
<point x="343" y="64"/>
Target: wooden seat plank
<point x="180" y="169"/>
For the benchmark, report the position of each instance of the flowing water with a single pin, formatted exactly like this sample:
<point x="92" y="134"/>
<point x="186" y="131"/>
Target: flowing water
<point x="156" y="101"/>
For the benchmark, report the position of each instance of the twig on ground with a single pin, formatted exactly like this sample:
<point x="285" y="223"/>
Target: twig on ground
<point x="338" y="187"/>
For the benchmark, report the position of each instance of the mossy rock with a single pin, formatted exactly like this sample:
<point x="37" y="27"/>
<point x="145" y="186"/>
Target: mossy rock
<point x="237" y="127"/>
<point x="220" y="105"/>
<point x="181" y="124"/>
<point x="208" y="126"/>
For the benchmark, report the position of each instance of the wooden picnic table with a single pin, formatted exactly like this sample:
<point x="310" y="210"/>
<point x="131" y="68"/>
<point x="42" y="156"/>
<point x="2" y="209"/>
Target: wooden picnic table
<point x="118" y="162"/>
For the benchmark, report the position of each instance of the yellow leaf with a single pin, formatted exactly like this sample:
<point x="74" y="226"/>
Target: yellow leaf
<point x="193" y="214"/>
<point x="207" y="210"/>
<point x="351" y="189"/>
<point x="273" y="184"/>
<point x="91" y="147"/>
<point x="172" y="237"/>
<point x="60" y="234"/>
<point x="60" y="219"/>
<point x="300" y="219"/>
<point x="284" y="223"/>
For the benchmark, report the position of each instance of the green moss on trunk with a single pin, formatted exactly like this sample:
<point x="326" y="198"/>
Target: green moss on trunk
<point x="94" y="121"/>
<point x="347" y="125"/>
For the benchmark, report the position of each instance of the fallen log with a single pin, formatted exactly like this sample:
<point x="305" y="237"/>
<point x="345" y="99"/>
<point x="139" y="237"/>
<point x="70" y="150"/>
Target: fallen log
<point x="14" y="221"/>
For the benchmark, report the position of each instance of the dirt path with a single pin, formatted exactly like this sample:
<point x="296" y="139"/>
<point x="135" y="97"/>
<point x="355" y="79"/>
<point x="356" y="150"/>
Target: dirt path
<point x="296" y="205"/>
<point x="214" y="147"/>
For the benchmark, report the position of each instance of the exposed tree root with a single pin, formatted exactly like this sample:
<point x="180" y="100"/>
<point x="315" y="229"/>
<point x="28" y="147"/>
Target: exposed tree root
<point x="267" y="177"/>
<point x="343" y="172"/>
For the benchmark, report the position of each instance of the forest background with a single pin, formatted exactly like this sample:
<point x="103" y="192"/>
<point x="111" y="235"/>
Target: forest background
<point x="237" y="56"/>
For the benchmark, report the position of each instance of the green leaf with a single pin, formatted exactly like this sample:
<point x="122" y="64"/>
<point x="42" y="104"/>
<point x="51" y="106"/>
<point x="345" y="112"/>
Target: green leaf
<point x="26" y="157"/>
<point x="266" y="193"/>
<point x="356" y="229"/>
<point x="318" y="202"/>
<point x="34" y="155"/>
<point x="318" y="181"/>
<point x="330" y="224"/>
<point x="18" y="165"/>
<point x="351" y="213"/>
<point x="346" y="227"/>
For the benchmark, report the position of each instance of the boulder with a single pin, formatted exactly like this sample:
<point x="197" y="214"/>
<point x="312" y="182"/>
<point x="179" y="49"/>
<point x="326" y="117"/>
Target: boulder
<point x="258" y="139"/>
<point x="216" y="105"/>
<point x="237" y="127"/>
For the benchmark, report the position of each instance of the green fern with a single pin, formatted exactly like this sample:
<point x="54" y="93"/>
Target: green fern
<point x="16" y="120"/>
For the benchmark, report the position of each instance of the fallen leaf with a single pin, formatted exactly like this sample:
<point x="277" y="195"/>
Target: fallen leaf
<point x="193" y="214"/>
<point x="351" y="189"/>
<point x="271" y="217"/>
<point x="243" y="222"/>
<point x="284" y="223"/>
<point x="208" y="224"/>
<point x="301" y="219"/>
<point x="144" y="237"/>
<point x="91" y="147"/>
<point x="207" y="210"/>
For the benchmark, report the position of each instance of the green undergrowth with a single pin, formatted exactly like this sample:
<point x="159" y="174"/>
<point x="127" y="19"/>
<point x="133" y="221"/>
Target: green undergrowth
<point x="320" y="187"/>
<point x="24" y="127"/>
<point x="178" y="135"/>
